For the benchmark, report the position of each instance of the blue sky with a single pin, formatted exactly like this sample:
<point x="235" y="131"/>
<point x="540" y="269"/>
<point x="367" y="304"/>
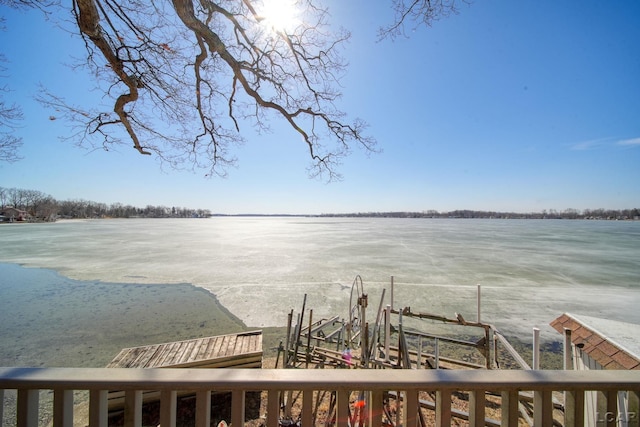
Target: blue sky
<point x="510" y="106"/>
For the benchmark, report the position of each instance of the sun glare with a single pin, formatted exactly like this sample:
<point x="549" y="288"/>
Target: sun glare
<point x="281" y="15"/>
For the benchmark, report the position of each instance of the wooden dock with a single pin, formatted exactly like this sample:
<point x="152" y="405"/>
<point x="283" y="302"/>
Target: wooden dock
<point x="242" y="350"/>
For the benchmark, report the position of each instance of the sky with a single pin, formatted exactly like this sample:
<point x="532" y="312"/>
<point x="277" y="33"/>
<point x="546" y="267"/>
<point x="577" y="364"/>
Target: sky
<point x="507" y="106"/>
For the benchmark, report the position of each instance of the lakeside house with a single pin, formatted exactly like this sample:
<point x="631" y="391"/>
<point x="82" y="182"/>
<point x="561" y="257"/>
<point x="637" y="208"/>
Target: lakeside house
<point x="11" y="214"/>
<point x="597" y="344"/>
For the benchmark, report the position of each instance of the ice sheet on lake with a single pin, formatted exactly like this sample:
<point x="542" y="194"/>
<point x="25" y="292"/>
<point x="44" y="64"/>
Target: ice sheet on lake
<point x="260" y="268"/>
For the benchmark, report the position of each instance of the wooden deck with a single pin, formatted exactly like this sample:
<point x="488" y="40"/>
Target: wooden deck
<point x="242" y="350"/>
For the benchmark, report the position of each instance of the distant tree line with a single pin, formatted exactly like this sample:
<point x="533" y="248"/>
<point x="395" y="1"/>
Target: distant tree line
<point x="610" y="214"/>
<point x="43" y="207"/>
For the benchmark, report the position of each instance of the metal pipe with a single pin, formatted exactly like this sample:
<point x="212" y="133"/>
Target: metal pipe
<point x="536" y="348"/>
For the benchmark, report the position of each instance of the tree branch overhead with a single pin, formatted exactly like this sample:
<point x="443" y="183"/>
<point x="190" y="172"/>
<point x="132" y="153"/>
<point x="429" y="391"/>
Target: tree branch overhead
<point x="205" y="69"/>
<point x="181" y="79"/>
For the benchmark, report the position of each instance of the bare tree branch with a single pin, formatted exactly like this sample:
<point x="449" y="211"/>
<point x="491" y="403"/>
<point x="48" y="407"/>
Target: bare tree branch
<point x="417" y="13"/>
<point x="179" y="79"/>
<point x="10" y="117"/>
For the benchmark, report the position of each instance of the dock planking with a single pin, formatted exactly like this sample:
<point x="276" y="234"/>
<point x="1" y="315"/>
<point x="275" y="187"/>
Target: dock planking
<point x="241" y="350"/>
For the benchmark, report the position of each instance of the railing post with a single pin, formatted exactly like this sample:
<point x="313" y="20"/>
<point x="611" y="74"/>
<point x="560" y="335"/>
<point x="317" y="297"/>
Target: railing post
<point x="573" y="408"/>
<point x="477" y="403"/>
<point x="376" y="408"/>
<point x="28" y="401"/>
<point x="410" y="409"/>
<point x="1" y="407"/>
<point x="98" y="408"/>
<point x="168" y="408"/>
<point x="342" y="402"/>
<point x="509" y="406"/>
<point x="203" y="408"/>
<point x="307" y="408"/>
<point x="443" y="408"/>
<point x="237" y="407"/>
<point x="273" y="408"/>
<point x="133" y="408"/>
<point x="542" y="408"/>
<point x="633" y="408"/>
<point x="62" y="408"/>
<point x="612" y="408"/>
<point x="573" y="400"/>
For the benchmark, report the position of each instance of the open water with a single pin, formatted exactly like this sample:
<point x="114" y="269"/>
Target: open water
<point x="530" y="271"/>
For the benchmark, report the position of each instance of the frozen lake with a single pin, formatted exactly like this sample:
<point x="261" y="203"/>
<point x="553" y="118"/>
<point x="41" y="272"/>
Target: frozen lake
<point x="531" y="271"/>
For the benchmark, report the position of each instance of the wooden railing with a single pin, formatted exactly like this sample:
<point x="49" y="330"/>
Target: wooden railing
<point x="410" y="384"/>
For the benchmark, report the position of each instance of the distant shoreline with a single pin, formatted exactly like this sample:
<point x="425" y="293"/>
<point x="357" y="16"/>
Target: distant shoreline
<point x="40" y="207"/>
<point x="420" y="215"/>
